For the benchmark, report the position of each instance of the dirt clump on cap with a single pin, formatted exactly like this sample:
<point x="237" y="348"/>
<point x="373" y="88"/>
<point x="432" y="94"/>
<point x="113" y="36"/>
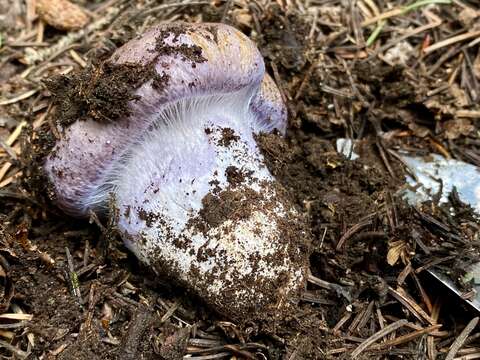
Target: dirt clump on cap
<point x="192" y="53"/>
<point x="101" y="92"/>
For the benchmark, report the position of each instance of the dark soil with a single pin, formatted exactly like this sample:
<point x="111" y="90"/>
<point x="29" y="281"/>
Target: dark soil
<point x="369" y="248"/>
<point x="98" y="93"/>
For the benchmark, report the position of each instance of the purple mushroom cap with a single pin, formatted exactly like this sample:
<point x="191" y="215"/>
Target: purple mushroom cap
<point x="186" y="150"/>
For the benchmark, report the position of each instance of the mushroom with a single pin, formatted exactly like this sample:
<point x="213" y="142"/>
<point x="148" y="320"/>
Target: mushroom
<point x="193" y="197"/>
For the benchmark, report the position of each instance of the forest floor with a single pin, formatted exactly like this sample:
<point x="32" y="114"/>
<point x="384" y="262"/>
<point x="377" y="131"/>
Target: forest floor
<point x="394" y="76"/>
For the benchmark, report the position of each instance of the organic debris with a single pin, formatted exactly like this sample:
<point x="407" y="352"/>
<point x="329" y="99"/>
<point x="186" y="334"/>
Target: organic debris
<point x="61" y="14"/>
<point x="396" y="76"/>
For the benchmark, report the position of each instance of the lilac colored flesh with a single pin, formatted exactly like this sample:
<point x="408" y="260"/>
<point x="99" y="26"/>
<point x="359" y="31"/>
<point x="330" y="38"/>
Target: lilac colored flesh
<point x="268" y="107"/>
<point x="89" y="148"/>
<point x="173" y="157"/>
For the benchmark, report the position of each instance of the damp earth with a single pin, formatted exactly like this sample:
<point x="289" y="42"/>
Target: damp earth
<point x="76" y="292"/>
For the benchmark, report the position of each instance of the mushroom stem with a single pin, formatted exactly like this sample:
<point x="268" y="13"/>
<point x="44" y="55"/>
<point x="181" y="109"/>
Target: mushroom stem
<point x="198" y="204"/>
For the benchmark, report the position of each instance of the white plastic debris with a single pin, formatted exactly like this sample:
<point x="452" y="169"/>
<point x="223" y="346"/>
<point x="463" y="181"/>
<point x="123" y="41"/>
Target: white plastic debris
<point x="436" y="173"/>
<point x="346" y="148"/>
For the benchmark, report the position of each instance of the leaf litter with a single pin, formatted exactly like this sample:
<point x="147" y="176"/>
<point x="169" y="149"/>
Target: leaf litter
<point x="393" y="75"/>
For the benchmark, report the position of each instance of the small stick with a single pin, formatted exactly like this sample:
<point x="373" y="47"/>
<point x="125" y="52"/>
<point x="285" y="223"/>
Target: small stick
<point x="406" y="338"/>
<point x="356" y="320"/>
<point x="383" y="16"/>
<point x="440" y="148"/>
<point x="411" y="33"/>
<point x="434" y="262"/>
<point x="329" y="286"/>
<point x="10" y="179"/>
<point x="323" y="237"/>
<point x="335" y="92"/>
<point x="431" y="350"/>
<point x="313" y="27"/>
<point x="322" y="283"/>
<point x="278" y="80"/>
<point x="447" y="55"/>
<point x="16" y="316"/>
<point x="31" y="338"/>
<point x="423" y="293"/>
<point x="354" y="229"/>
<point x="403" y="162"/>
<point x="4" y="170"/>
<point x="86" y="326"/>
<point x="18" y="98"/>
<point x="94" y="219"/>
<point x="460" y="340"/>
<point x="438" y="90"/>
<point x="342" y="322"/>
<point x="58" y="350"/>
<point x="14" y="325"/>
<point x="381" y="320"/>
<point x="371" y="4"/>
<point x="367" y="314"/>
<point x="472" y="114"/>
<point x="456" y="70"/>
<point x="170" y="312"/>
<point x="78" y="59"/>
<point x="28" y="44"/>
<point x="204" y="343"/>
<point x="411" y="305"/>
<point x="66" y="41"/>
<point x="404" y="273"/>
<point x="337" y="351"/>
<point x="16" y="133"/>
<point x="397" y="12"/>
<point x="377" y="336"/>
<point x="384" y="158"/>
<point x="356" y="26"/>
